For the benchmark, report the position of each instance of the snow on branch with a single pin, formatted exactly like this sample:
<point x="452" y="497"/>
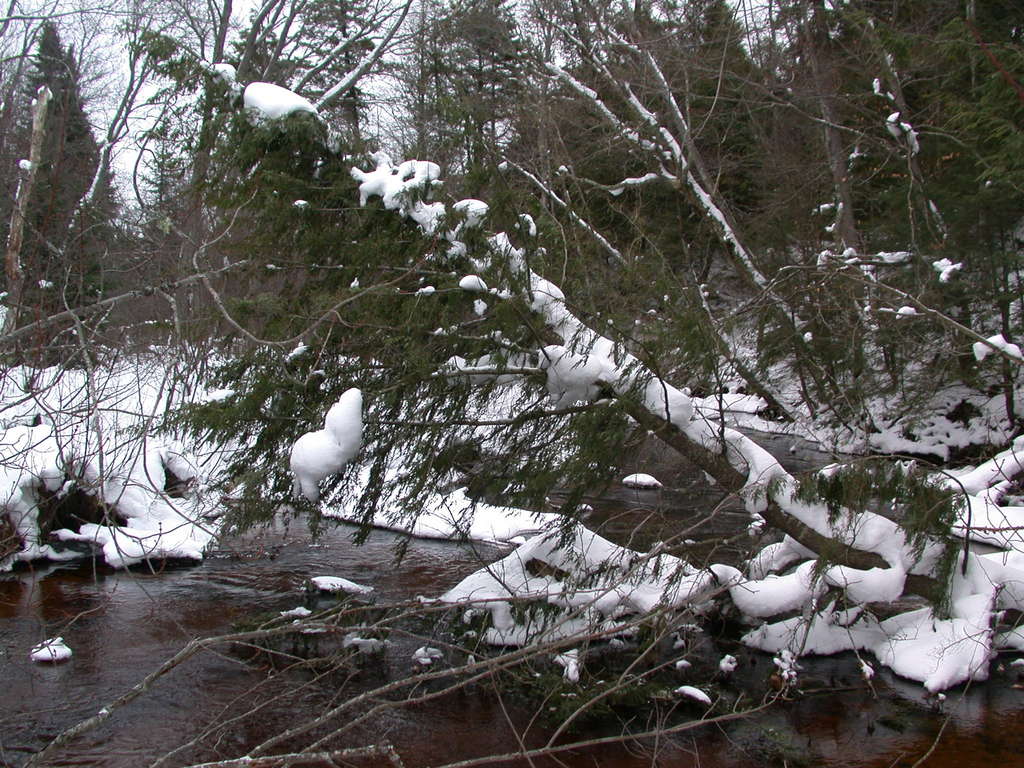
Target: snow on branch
<point x="272" y="102"/>
<point x="610" y="249"/>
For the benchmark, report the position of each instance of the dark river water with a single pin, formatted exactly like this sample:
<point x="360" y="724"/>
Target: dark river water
<point x="121" y="625"/>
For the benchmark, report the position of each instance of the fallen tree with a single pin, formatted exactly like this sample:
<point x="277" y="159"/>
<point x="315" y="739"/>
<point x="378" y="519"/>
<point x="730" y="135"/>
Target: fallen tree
<point x="905" y="537"/>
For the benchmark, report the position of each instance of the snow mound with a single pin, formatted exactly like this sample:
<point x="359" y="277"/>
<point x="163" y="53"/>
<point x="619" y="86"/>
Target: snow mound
<point x="338" y="584"/>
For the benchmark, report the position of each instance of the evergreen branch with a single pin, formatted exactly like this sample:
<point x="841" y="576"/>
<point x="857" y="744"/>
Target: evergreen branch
<point x="994" y="60"/>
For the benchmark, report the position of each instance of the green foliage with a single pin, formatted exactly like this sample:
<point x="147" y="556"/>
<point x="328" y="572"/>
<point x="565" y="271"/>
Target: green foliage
<point x="170" y="59"/>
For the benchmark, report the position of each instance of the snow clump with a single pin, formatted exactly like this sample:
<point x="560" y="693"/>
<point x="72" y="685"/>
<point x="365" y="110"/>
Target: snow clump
<point x="473" y="283"/>
<point x="52" y="650"/>
<point x="475" y="211"/>
<point x="946" y="269"/>
<point x="403" y="188"/>
<point x="694" y="693"/>
<point x="570" y="662"/>
<point x="338" y="584"/>
<point x="425" y="656"/>
<point x="640" y="480"/>
<point x="325" y="452"/>
<point x="266" y="101"/>
<point x="983" y="350"/>
<point x="224" y="72"/>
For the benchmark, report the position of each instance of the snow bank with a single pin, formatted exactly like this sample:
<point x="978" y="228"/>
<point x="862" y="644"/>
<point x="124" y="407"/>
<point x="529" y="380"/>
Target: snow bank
<point x="64" y="431"/>
<point x="940" y="653"/>
<point x="934" y="433"/>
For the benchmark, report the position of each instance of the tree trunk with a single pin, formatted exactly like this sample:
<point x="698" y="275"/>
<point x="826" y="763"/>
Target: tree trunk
<point x="16" y="234"/>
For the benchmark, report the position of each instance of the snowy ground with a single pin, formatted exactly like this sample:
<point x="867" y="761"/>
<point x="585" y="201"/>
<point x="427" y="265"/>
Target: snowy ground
<point x="67" y="431"/>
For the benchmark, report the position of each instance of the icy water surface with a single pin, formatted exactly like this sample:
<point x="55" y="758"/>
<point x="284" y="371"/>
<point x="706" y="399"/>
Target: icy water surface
<point x="121" y="625"/>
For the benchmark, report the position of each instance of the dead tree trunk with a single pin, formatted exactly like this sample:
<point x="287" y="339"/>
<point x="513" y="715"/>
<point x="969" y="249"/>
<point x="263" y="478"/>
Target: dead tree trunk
<point x="16" y="234"/>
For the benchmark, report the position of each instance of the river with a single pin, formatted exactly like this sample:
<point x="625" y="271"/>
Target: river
<point x="122" y="624"/>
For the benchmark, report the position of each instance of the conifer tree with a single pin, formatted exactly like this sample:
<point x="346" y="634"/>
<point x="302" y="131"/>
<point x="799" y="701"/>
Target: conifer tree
<point x="465" y="77"/>
<point x="68" y="218"/>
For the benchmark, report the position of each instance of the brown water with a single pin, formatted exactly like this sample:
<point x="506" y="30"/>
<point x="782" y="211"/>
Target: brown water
<point x="121" y="625"/>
